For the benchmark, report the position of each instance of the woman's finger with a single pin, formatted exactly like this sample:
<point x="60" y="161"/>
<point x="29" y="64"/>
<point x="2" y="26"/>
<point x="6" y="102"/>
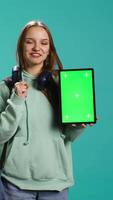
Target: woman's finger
<point x="83" y="125"/>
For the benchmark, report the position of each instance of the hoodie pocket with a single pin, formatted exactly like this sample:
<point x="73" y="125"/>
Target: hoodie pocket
<point x="47" y="164"/>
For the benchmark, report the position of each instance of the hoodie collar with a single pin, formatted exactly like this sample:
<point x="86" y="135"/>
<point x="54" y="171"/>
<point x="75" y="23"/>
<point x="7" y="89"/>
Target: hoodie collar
<point x="29" y="78"/>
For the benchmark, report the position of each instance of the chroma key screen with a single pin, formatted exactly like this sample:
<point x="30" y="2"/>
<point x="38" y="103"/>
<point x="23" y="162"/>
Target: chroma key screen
<point x="77" y="96"/>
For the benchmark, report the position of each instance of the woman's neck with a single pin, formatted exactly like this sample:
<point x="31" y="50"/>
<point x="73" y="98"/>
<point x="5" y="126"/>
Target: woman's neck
<point x="33" y="70"/>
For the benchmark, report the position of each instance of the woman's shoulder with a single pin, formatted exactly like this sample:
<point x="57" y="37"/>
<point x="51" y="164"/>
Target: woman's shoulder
<point x="4" y="90"/>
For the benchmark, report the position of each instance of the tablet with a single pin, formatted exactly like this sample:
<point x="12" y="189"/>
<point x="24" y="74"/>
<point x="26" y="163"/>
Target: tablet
<point x="77" y="96"/>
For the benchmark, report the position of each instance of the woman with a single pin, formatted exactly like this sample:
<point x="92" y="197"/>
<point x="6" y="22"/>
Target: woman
<point x="38" y="162"/>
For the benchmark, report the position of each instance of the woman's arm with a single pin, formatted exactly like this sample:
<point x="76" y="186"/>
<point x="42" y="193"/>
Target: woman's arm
<point x="10" y="114"/>
<point x="71" y="132"/>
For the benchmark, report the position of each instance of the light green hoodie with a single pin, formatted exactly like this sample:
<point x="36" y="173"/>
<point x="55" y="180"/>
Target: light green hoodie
<point x="38" y="155"/>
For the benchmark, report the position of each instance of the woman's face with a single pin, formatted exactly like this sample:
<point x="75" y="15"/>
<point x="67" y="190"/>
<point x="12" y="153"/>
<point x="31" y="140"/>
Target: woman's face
<point x="36" y="46"/>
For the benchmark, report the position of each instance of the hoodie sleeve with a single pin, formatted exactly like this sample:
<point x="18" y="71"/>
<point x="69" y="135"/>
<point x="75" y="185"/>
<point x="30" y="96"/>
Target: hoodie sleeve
<point x="11" y="110"/>
<point x="72" y="132"/>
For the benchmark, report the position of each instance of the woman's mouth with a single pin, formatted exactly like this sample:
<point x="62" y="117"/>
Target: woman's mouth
<point x="35" y="55"/>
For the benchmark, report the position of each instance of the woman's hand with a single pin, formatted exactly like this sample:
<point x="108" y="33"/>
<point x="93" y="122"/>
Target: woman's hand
<point x="84" y="125"/>
<point x="21" y="89"/>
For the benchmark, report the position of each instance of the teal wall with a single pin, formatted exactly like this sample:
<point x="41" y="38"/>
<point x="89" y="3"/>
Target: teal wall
<point x="83" y="34"/>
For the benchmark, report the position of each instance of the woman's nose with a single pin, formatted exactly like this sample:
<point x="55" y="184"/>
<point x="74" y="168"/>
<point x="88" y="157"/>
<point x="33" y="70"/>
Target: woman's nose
<point x="36" y="46"/>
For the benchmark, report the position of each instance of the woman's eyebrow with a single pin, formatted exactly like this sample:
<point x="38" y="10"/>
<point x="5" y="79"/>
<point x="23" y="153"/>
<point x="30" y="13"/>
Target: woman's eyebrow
<point x="33" y="38"/>
<point x="29" y="38"/>
<point x="45" y="39"/>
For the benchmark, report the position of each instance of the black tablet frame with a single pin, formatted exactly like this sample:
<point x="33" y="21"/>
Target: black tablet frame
<point x="93" y="90"/>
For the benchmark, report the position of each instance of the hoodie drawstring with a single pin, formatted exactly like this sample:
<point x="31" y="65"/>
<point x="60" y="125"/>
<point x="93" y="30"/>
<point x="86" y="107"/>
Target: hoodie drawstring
<point x="27" y="125"/>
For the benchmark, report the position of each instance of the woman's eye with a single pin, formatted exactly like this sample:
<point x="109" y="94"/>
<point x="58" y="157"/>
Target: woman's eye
<point x="44" y="43"/>
<point x="28" y="42"/>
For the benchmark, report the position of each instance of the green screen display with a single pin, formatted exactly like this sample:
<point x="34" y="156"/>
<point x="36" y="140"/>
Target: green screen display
<point x="77" y="96"/>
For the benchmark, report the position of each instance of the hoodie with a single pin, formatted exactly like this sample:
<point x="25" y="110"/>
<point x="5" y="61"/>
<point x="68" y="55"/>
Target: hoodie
<point x="39" y="154"/>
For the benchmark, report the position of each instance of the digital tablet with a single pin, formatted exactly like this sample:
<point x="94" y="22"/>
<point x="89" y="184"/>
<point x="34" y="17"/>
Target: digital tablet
<point x="77" y="96"/>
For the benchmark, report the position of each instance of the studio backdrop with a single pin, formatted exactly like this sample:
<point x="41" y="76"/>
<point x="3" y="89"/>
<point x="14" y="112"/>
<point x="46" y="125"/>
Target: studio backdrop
<point x="83" y="34"/>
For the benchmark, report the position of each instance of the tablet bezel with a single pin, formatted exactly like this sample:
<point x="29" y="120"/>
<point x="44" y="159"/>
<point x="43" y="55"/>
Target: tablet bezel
<point x="93" y="92"/>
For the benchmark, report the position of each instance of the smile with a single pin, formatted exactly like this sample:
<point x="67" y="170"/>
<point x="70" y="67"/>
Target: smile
<point x="35" y="55"/>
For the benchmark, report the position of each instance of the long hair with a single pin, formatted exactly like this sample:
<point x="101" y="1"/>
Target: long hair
<point x="52" y="59"/>
<point x="50" y="64"/>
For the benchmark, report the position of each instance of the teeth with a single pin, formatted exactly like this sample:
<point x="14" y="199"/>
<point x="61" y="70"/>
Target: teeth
<point x="35" y="54"/>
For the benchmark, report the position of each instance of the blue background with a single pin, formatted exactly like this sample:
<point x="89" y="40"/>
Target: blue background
<point x="83" y="35"/>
